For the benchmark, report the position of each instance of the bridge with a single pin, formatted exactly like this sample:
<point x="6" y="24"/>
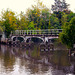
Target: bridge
<point x="43" y="34"/>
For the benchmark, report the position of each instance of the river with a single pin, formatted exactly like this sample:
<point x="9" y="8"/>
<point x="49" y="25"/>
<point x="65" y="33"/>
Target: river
<point x="32" y="61"/>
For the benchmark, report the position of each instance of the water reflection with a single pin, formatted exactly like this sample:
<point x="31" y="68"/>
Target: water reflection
<point x="31" y="61"/>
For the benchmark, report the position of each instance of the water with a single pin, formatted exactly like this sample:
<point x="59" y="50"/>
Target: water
<point x="31" y="61"/>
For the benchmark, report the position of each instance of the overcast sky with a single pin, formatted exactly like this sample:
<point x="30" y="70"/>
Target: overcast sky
<point x="23" y="5"/>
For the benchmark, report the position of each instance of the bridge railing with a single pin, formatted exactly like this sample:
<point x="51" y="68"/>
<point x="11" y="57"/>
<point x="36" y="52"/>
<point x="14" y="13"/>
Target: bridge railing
<point x="37" y="32"/>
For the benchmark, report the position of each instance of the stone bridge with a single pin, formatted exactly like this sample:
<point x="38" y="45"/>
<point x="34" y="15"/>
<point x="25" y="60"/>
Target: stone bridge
<point x="44" y="35"/>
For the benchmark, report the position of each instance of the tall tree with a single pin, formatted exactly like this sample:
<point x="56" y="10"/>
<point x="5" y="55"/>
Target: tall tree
<point x="63" y="18"/>
<point x="60" y="6"/>
<point x="9" y="21"/>
<point x="1" y="28"/>
<point x="40" y="15"/>
<point x="68" y="34"/>
<point x="22" y="22"/>
<point x="54" y="22"/>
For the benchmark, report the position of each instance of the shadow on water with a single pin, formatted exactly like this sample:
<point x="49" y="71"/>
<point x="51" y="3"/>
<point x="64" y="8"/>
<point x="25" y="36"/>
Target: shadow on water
<point x="31" y="61"/>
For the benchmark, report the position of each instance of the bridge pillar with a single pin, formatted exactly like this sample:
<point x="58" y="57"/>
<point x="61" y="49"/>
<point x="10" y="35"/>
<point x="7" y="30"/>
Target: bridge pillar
<point x="45" y="39"/>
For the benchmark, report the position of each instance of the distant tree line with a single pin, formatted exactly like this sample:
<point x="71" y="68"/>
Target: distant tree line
<point x="38" y="17"/>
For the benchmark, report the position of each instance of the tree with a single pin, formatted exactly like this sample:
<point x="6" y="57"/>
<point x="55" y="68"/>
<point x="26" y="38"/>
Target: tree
<point x="40" y="15"/>
<point x="34" y="15"/>
<point x="60" y="6"/>
<point x="22" y="22"/>
<point x="45" y="19"/>
<point x="70" y="16"/>
<point x="31" y="26"/>
<point x="9" y="21"/>
<point x="63" y="18"/>
<point x="68" y="35"/>
<point x="54" y="22"/>
<point x="1" y="28"/>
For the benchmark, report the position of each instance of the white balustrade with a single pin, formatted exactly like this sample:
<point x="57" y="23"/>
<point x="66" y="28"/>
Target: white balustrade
<point x="37" y="32"/>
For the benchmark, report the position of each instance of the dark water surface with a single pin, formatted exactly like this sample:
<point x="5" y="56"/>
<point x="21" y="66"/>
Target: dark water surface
<point x="32" y="61"/>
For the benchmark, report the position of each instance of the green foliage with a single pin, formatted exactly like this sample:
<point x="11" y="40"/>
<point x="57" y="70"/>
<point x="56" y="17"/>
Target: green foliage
<point x="1" y="27"/>
<point x="68" y="34"/>
<point x="22" y="22"/>
<point x="59" y="15"/>
<point x="40" y="15"/>
<point x="63" y="17"/>
<point x="70" y="16"/>
<point x="1" y="30"/>
<point x="31" y="26"/>
<point x="9" y="21"/>
<point x="54" y="22"/>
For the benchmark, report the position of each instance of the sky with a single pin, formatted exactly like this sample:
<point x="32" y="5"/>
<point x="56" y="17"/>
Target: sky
<point x="23" y="5"/>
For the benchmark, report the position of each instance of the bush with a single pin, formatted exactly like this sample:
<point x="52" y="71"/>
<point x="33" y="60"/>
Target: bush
<point x="68" y="35"/>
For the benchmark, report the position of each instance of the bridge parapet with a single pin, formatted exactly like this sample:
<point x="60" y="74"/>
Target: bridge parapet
<point x="45" y="32"/>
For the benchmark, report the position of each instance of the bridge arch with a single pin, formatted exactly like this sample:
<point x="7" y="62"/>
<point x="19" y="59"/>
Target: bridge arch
<point x="20" y="38"/>
<point x="27" y="38"/>
<point x="34" y="39"/>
